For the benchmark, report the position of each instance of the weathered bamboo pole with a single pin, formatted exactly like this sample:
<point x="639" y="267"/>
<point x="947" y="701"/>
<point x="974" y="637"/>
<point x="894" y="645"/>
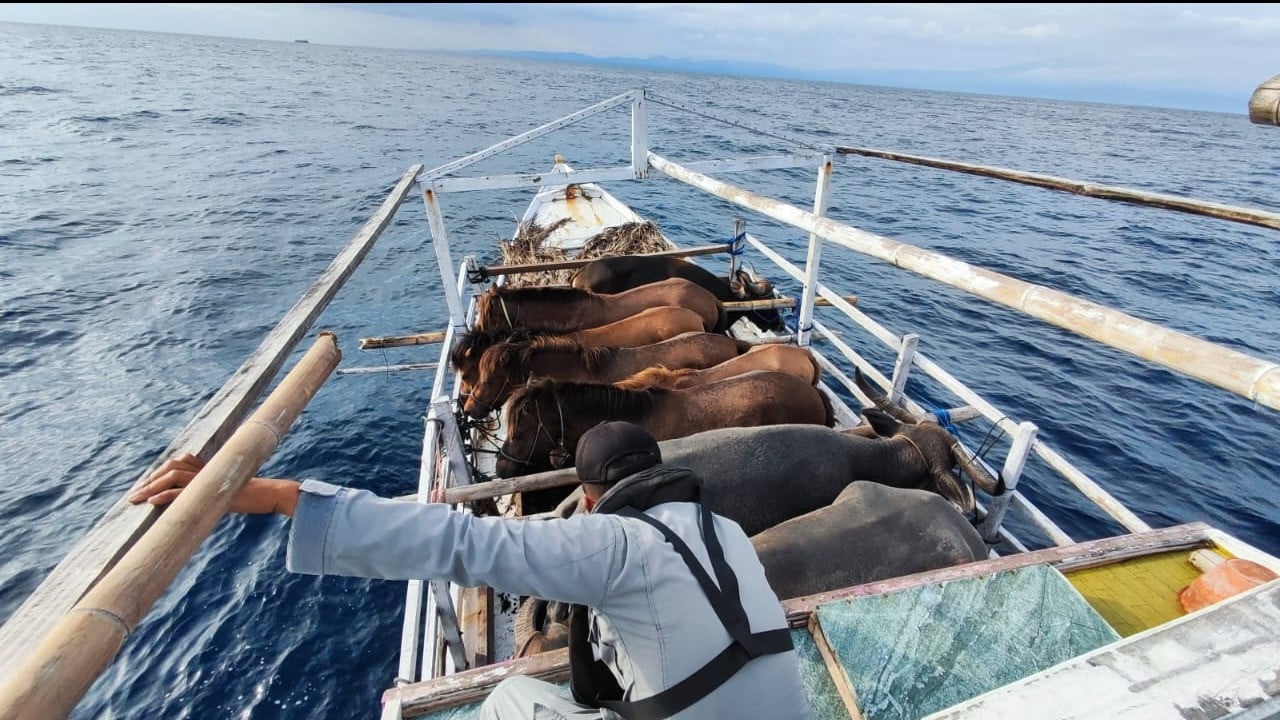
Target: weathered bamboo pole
<point x="508" y="486"/>
<point x="425" y="338"/>
<point x="123" y="523"/>
<point x="1249" y="216"/>
<point x="495" y="270"/>
<point x="56" y="675"/>
<point x="1264" y="104"/>
<point x="1247" y="376"/>
<point x="773" y="303"/>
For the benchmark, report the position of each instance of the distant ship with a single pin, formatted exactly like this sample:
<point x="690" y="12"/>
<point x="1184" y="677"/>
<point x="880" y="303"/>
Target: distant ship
<point x="302" y="41"/>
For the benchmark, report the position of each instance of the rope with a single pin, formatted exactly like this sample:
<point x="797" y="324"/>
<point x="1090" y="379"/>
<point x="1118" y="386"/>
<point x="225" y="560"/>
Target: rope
<point x="738" y="245"/>
<point x="944" y="420"/>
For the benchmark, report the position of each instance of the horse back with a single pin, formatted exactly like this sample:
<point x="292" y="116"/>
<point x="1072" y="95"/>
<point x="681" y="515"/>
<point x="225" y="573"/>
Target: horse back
<point x="620" y="273"/>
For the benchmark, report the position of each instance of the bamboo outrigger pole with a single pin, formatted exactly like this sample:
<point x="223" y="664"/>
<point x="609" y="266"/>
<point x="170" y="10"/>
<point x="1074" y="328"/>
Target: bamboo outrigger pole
<point x="1249" y="216"/>
<point x="1254" y="378"/>
<point x="53" y="678"/>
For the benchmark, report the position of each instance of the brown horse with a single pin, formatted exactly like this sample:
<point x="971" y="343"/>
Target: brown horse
<point x="506" y="366"/>
<point x="562" y="309"/>
<point x="545" y="418"/>
<point x="787" y="359"/>
<point x="644" y="328"/>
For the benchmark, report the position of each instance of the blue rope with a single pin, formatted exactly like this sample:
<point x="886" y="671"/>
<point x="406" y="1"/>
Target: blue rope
<point x="737" y="246"/>
<point x="944" y="420"/>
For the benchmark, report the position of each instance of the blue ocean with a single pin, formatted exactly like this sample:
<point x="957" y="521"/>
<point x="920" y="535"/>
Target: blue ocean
<point x="164" y="199"/>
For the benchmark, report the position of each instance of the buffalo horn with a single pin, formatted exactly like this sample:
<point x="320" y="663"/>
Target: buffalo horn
<point x="976" y="472"/>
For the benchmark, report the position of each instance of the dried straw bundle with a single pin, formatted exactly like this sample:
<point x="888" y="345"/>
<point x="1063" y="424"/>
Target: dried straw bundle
<point x="526" y="247"/>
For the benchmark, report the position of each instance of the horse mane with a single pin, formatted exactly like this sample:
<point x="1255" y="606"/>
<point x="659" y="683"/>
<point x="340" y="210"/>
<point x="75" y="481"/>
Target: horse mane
<point x="593" y="358"/>
<point x="591" y="399"/>
<point x="471" y="346"/>
<point x="657" y="376"/>
<point x="491" y="314"/>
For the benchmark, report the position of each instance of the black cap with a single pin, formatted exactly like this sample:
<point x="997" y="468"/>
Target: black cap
<point x="614" y="450"/>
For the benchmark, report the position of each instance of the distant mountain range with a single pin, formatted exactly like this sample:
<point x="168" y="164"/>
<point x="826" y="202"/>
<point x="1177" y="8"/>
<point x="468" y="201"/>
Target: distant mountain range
<point x="1002" y="81"/>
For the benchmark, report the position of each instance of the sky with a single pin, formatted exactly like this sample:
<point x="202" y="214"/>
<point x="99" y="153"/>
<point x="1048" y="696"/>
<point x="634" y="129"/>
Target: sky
<point x="1194" y="56"/>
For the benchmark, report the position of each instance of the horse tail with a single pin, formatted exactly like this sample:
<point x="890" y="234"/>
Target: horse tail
<point x="817" y="368"/>
<point x="828" y="407"/>
<point x="722" y="318"/>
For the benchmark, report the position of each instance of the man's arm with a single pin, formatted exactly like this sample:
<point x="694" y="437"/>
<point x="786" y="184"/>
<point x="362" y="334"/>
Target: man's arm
<point x="341" y="531"/>
<point x="258" y="496"/>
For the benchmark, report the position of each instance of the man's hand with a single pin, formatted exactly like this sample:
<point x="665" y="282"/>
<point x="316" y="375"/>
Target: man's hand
<point x="258" y="496"/>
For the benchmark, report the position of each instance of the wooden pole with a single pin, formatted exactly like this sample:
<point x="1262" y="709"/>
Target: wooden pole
<point x="425" y="338"/>
<point x="508" y="486"/>
<point x="1249" y="216"/>
<point x="1254" y="378"/>
<point x="1264" y="105"/>
<point x="495" y="270"/>
<point x="55" y="676"/>
<point x="124" y="523"/>
<point x="773" y="303"/>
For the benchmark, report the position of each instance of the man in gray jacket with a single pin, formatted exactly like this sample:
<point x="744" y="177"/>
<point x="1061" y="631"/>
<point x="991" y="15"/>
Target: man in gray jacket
<point x="681" y="620"/>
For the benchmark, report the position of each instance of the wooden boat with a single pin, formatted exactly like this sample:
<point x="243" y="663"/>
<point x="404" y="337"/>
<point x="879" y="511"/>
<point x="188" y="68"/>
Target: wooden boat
<point x="1099" y="622"/>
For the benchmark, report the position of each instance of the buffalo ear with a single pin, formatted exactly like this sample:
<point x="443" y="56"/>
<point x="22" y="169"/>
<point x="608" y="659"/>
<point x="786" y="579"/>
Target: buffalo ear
<point x="882" y="422"/>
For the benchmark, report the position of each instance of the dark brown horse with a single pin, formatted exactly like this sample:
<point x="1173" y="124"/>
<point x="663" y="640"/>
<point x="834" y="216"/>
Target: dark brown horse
<point x="623" y="272"/>
<point x="644" y="328"/>
<point x="545" y="418"/>
<point x="506" y="366"/>
<point x="788" y="359"/>
<point x="565" y="309"/>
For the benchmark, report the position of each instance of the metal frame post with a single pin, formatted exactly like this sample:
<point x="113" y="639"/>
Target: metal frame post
<point x="1023" y="439"/>
<point x="821" y="199"/>
<point x="736" y="246"/>
<point x="440" y="239"/>
<point x="639" y="135"/>
<point x="902" y="366"/>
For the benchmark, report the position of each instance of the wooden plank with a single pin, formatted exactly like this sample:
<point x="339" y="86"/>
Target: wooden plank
<point x="509" y="486"/>
<point x="839" y="677"/>
<point x="123" y="522"/>
<point x="49" y="681"/>
<point x="1250" y="377"/>
<point x="473" y="685"/>
<point x="1085" y="554"/>
<point x="495" y="270"/>
<point x="1249" y="216"/>
<point x="475" y="611"/>
<point x="425" y="338"/>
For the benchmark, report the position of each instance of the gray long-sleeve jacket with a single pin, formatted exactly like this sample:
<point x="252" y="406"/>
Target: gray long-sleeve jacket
<point x="651" y="623"/>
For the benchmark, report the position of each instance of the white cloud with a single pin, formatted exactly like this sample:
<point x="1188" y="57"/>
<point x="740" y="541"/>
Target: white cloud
<point x="1193" y="46"/>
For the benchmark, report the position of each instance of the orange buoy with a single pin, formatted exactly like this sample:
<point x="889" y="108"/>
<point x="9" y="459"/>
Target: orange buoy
<point x="1222" y="578"/>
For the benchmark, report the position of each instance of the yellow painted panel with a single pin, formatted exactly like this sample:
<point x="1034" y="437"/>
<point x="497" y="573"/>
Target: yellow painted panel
<point x="1137" y="594"/>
